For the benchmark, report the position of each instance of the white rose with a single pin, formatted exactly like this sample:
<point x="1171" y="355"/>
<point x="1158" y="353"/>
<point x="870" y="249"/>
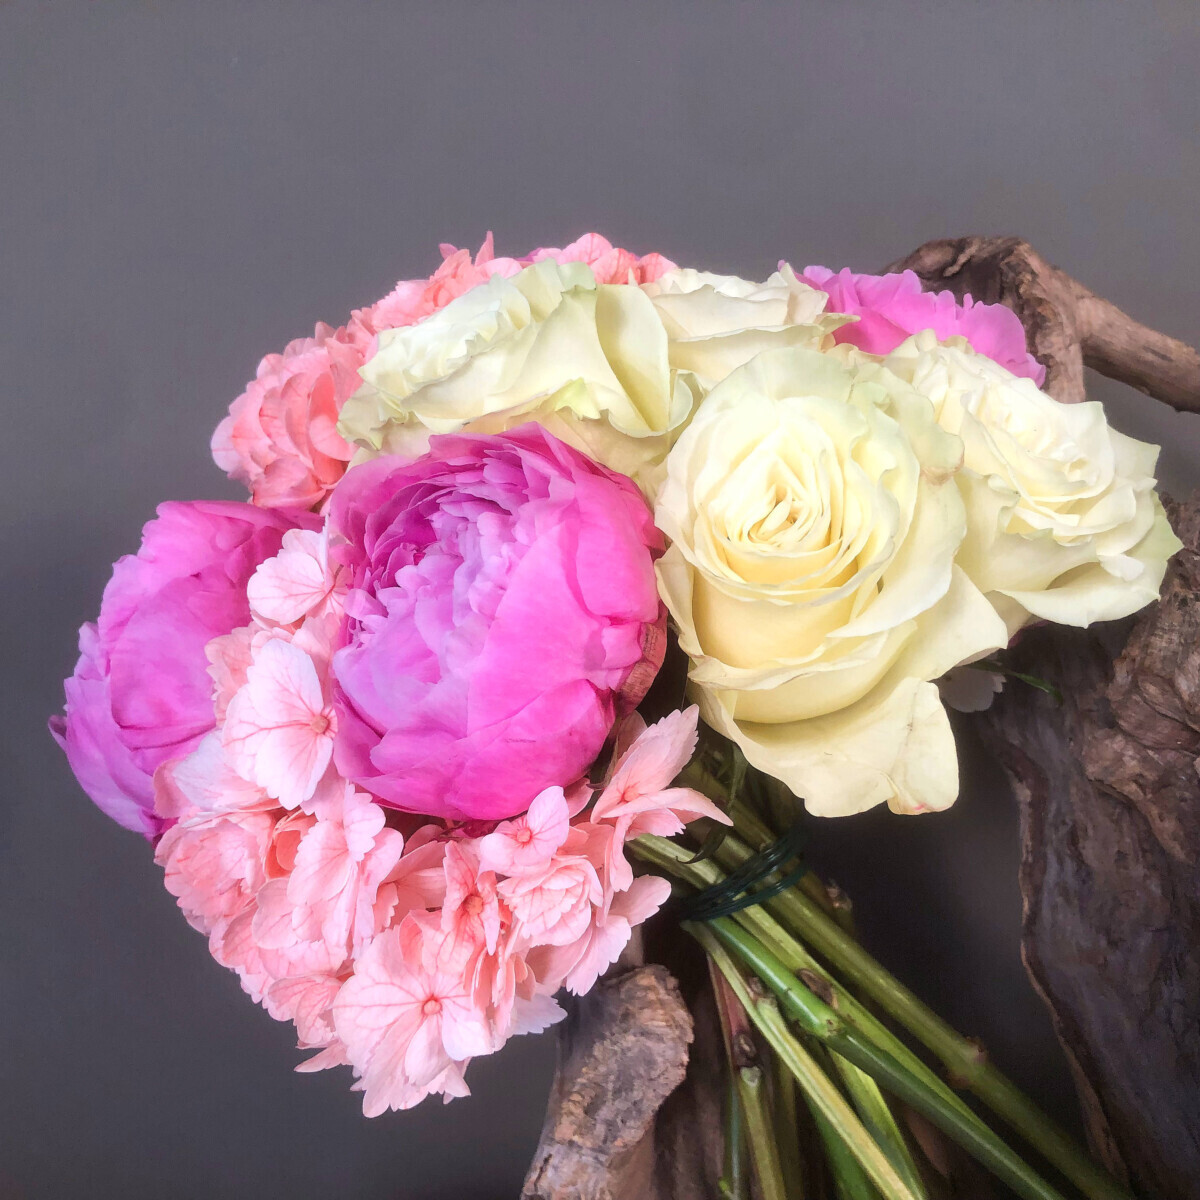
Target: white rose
<point x="814" y="522"/>
<point x="717" y="323"/>
<point x="589" y="362"/>
<point x="1063" y="519"/>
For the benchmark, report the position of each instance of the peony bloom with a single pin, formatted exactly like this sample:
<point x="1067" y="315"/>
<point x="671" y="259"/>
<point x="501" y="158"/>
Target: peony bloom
<point x="587" y="360"/>
<point x="814" y="524"/>
<point x="502" y="613"/>
<point x="1064" y="523"/>
<point x="891" y="307"/>
<point x="141" y="694"/>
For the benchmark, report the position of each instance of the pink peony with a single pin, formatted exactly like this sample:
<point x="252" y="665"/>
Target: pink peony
<point x="141" y="694"/>
<point x="503" y="611"/>
<point x="280" y="437"/>
<point x="891" y="308"/>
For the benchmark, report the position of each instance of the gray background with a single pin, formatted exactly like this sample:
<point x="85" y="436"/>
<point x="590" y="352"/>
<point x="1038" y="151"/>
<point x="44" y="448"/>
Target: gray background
<point x="184" y="187"/>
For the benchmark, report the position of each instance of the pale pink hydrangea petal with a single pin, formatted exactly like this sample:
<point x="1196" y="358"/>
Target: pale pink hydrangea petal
<point x="299" y="581"/>
<point x="279" y="730"/>
<point x="535" y="1015"/>
<point x="406" y="1020"/>
<point x="578" y="965"/>
<point x="553" y="906"/>
<point x="214" y="864"/>
<point x="285" y="842"/>
<point x="203" y="781"/>
<point x="609" y="263"/>
<point x="638" y="797"/>
<point x="419" y="878"/>
<point x="334" y="1055"/>
<point x="229" y="657"/>
<point x="651" y="762"/>
<point x="471" y="909"/>
<point x="526" y="843"/>
<point x="308" y="1001"/>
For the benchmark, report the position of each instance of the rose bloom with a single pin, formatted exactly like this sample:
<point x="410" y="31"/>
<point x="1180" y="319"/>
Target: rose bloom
<point x="588" y="361"/>
<point x="280" y="437"/>
<point x="716" y="323"/>
<point x="502" y="613"/>
<point x="1064" y="523"/>
<point x="891" y="307"/>
<point x="141" y="694"/>
<point x="814" y="523"/>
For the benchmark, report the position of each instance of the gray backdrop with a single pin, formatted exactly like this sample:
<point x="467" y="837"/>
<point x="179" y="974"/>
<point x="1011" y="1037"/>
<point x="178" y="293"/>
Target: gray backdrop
<point x="184" y="187"/>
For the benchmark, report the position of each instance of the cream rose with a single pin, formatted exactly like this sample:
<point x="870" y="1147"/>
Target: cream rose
<point x="588" y="362"/>
<point x="1063" y="520"/>
<point x="814" y="522"/>
<point x="717" y="323"/>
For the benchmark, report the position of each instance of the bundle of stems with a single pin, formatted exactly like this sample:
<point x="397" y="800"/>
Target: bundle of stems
<point x="790" y="978"/>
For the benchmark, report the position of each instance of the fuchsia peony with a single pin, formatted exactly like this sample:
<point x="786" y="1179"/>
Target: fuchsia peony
<point x="503" y="611"/>
<point x="890" y="308"/>
<point x="141" y="694"/>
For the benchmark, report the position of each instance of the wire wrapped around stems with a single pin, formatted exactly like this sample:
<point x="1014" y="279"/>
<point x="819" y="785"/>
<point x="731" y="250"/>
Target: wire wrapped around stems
<point x="737" y="890"/>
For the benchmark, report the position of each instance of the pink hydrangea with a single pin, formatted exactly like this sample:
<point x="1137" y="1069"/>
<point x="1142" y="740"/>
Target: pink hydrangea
<point x="280" y="437"/>
<point x="891" y="308"/>
<point x="609" y="263"/>
<point x="405" y="950"/>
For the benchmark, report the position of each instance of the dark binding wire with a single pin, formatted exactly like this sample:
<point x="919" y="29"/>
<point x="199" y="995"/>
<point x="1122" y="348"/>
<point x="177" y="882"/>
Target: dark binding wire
<point x="738" y="890"/>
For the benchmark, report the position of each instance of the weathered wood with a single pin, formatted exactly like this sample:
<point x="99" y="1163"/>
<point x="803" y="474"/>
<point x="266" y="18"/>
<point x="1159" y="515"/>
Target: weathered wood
<point x="1110" y="867"/>
<point x="623" y="1050"/>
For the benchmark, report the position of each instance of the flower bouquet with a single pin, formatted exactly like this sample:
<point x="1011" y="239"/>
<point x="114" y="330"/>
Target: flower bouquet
<point x="399" y="732"/>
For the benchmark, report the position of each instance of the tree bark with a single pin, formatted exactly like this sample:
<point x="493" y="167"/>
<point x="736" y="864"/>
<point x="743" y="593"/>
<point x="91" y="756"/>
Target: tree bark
<point x="623" y="1050"/>
<point x="1108" y="785"/>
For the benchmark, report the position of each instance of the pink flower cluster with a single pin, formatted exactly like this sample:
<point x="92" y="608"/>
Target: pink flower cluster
<point x="271" y="695"/>
<point x="280" y="437"/>
<point x="400" y="947"/>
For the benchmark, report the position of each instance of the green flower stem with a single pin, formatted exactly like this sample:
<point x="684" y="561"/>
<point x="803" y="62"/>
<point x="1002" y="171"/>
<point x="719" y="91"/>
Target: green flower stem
<point x="848" y="1177"/>
<point x="734" y="1183"/>
<point x="820" y="1021"/>
<point x="752" y="1091"/>
<point x="962" y="1058"/>
<point x="676" y="860"/>
<point x="787" y="1131"/>
<point x="817" y="1087"/>
<point x="747" y="1076"/>
<point x="866" y="1097"/>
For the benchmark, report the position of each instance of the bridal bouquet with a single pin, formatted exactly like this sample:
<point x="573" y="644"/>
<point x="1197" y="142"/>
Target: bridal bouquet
<point x="381" y="723"/>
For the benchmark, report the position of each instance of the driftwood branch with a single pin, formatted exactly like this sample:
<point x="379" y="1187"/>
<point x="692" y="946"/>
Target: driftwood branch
<point x="1110" y="867"/>
<point x="1068" y="327"/>
<point x="622" y="1053"/>
<point x="1109" y="793"/>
